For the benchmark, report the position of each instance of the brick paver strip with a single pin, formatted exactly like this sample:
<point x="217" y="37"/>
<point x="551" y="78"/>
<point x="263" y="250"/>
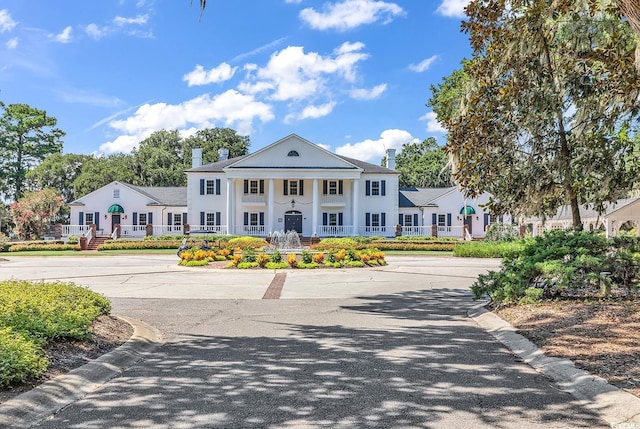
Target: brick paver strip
<point x="275" y="288"/>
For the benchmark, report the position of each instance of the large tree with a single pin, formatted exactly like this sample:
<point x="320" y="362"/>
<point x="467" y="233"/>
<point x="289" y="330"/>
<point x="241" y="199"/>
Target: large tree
<point x="35" y="212"/>
<point x="27" y="136"/>
<point x="158" y="160"/>
<point x="58" y="172"/>
<point x="100" y="171"/>
<point x="213" y="139"/>
<point x="423" y="165"/>
<point x="540" y="116"/>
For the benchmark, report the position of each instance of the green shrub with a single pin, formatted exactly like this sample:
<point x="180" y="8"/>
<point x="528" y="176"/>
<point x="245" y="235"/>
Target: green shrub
<point x="139" y="244"/>
<point x="244" y="242"/>
<point x="332" y="264"/>
<point x="276" y="256"/>
<point x="42" y="246"/>
<point x="307" y="257"/>
<point x="46" y="311"/>
<point x="483" y="249"/>
<point x="355" y="263"/>
<point x="276" y="265"/>
<point x="20" y="358"/>
<point x="306" y="265"/>
<point x="423" y="238"/>
<point x="194" y="263"/>
<point x="333" y="244"/>
<point x="562" y="262"/>
<point x="248" y="254"/>
<point x="245" y="265"/>
<point x="220" y="258"/>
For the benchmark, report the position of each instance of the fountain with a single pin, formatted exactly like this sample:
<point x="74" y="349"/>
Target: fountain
<point x="288" y="241"/>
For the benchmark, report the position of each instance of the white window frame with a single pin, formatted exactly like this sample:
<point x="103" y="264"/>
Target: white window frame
<point x="442" y="220"/>
<point x="210" y="219"/>
<point x="408" y="220"/>
<point x="254" y="219"/>
<point x="293" y="187"/>
<point x="333" y="187"/>
<point x="254" y="187"/>
<point x="332" y="219"/>
<point x="142" y="219"/>
<point x="375" y="220"/>
<point x="177" y="219"/>
<point x="210" y="187"/>
<point x="116" y="193"/>
<point x="88" y="218"/>
<point x="375" y="187"/>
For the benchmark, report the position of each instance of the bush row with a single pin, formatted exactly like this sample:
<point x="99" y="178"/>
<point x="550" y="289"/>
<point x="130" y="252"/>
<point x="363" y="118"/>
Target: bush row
<point x="348" y="243"/>
<point x="34" y="314"/>
<point x="564" y="263"/>
<point x="484" y="249"/>
<point x="140" y="244"/>
<point x="42" y="246"/>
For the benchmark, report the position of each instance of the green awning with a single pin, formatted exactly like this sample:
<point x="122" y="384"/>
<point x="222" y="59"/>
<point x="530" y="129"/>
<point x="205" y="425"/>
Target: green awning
<point x="467" y="211"/>
<point x="116" y="208"/>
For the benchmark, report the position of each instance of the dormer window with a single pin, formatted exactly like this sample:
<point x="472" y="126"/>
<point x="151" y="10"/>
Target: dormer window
<point x="116" y="193"/>
<point x="293" y="153"/>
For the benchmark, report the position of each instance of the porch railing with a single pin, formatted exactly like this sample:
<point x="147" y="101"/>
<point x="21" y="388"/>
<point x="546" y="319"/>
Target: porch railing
<point x="335" y="231"/>
<point x="133" y="230"/>
<point x="209" y="229"/>
<point x="77" y="230"/>
<point x="252" y="230"/>
<point x="417" y="231"/>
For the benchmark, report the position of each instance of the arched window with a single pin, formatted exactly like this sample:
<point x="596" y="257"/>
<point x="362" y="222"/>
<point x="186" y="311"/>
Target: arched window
<point x="293" y="153"/>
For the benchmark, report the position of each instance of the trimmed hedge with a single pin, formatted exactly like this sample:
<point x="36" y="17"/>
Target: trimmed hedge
<point x="483" y="249"/>
<point x="347" y="243"/>
<point x="34" y="314"/>
<point x="38" y="246"/>
<point x="140" y="244"/>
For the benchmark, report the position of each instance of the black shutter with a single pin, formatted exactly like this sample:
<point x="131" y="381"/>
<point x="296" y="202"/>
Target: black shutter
<point x="367" y="188"/>
<point x="169" y="218"/>
<point x="434" y="219"/>
<point x="501" y="219"/>
<point x="217" y="186"/>
<point x="415" y="219"/>
<point x="150" y="218"/>
<point x="486" y="220"/>
<point x="340" y="187"/>
<point x="340" y="218"/>
<point x="201" y="186"/>
<point x="261" y="218"/>
<point x="448" y="219"/>
<point x="325" y="219"/>
<point x="135" y="218"/>
<point x="301" y="186"/>
<point x="96" y="219"/>
<point x="81" y="218"/>
<point x="286" y="187"/>
<point x="202" y="220"/>
<point x="400" y="216"/>
<point x="246" y="218"/>
<point x="261" y="186"/>
<point x="383" y="222"/>
<point x="218" y="220"/>
<point x="384" y="187"/>
<point x="325" y="187"/>
<point x="246" y="186"/>
<point x="184" y="218"/>
<point x="367" y="219"/>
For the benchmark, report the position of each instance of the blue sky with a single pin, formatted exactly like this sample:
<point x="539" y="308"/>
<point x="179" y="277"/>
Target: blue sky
<point x="351" y="75"/>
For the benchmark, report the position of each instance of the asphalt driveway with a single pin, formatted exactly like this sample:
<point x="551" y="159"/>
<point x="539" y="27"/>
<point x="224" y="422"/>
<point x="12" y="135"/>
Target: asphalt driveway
<point x="388" y="347"/>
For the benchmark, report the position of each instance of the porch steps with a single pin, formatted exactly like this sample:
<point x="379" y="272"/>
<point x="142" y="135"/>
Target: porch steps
<point x="97" y="242"/>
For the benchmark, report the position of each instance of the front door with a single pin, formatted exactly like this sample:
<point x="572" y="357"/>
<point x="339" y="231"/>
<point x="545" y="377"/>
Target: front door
<point x="115" y="219"/>
<point x="468" y="221"/>
<point x="293" y="221"/>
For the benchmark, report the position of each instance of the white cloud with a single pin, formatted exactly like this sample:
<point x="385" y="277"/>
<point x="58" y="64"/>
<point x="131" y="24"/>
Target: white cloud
<point x="6" y="22"/>
<point x="374" y="150"/>
<point x="292" y="74"/>
<point x="423" y="65"/>
<point x="64" y="37"/>
<point x="311" y="112"/>
<point x="347" y="14"/>
<point x="453" y="8"/>
<point x="138" y="20"/>
<point x="12" y="43"/>
<point x="433" y="126"/>
<point x="229" y="109"/>
<point x="96" y="32"/>
<point x="217" y="74"/>
<point x="368" y="94"/>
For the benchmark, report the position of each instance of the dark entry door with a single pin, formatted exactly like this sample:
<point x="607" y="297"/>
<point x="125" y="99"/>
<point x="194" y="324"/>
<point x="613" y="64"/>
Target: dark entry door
<point x="468" y="221"/>
<point x="115" y="219"/>
<point x="293" y="222"/>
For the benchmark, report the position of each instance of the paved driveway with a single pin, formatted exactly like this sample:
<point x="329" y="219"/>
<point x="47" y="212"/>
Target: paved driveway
<point x="388" y="347"/>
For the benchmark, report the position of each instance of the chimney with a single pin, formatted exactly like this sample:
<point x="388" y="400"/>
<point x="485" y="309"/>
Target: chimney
<point x="223" y="154"/>
<point x="391" y="159"/>
<point x="196" y="157"/>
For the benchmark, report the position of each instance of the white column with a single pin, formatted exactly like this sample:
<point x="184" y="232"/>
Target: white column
<point x="230" y="196"/>
<point x="356" y="198"/>
<point x="314" y="217"/>
<point x="270" y="208"/>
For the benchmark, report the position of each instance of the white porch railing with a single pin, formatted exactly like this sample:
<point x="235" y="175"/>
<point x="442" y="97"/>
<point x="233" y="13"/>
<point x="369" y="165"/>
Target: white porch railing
<point x="133" y="230"/>
<point x="77" y="230"/>
<point x="252" y="230"/>
<point x="167" y="229"/>
<point x="451" y="231"/>
<point x="384" y="231"/>
<point x="335" y="231"/>
<point x="416" y="231"/>
<point x="209" y="229"/>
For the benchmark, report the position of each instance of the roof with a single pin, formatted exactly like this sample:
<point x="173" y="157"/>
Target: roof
<point x="564" y="212"/>
<point x="218" y="167"/>
<point x="422" y="197"/>
<point x="165" y="196"/>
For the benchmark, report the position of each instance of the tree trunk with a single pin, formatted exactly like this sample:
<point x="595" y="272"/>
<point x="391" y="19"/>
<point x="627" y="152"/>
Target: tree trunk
<point x="631" y="10"/>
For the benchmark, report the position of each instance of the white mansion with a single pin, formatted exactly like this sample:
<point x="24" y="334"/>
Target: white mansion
<point x="291" y="184"/>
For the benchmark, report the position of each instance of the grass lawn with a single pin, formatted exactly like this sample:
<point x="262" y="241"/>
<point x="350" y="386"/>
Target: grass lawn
<point x="84" y="254"/>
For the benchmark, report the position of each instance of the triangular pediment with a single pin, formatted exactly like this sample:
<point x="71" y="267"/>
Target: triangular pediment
<point x="293" y="152"/>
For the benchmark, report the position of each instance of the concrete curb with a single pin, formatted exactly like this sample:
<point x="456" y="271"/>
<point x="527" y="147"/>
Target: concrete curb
<point x="31" y="407"/>
<point x="615" y="406"/>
